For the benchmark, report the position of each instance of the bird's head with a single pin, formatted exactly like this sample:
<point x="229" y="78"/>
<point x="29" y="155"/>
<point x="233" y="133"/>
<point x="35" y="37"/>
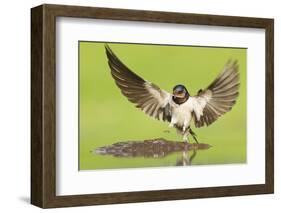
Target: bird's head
<point x="180" y="94"/>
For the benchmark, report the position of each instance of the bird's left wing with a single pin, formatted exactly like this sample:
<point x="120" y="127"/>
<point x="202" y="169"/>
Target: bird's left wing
<point x="218" y="98"/>
<point x="145" y="95"/>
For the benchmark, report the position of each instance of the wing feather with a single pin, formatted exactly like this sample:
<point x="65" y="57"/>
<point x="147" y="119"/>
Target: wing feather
<point x="145" y="95"/>
<point x="218" y="98"/>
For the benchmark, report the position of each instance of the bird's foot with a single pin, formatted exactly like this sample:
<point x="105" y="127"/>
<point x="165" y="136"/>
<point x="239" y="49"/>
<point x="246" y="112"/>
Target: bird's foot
<point x="194" y="136"/>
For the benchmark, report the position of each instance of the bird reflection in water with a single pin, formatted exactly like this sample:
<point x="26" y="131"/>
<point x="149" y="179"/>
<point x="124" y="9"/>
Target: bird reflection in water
<point x="154" y="148"/>
<point x="185" y="159"/>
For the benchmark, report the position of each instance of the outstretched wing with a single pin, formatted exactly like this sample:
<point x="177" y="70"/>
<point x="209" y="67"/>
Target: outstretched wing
<point x="145" y="95"/>
<point x="218" y="98"/>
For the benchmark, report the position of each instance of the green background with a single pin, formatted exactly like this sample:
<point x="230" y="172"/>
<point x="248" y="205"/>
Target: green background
<point x="107" y="117"/>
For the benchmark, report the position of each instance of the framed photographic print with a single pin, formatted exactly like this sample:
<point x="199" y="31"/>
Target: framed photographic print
<point x="136" y="106"/>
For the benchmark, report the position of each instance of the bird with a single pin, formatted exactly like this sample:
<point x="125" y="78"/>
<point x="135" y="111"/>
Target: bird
<point x="179" y="108"/>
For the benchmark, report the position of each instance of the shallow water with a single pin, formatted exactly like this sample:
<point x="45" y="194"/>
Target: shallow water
<point x="154" y="149"/>
<point x="156" y="153"/>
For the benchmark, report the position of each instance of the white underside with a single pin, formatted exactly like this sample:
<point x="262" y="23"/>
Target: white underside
<point x="182" y="114"/>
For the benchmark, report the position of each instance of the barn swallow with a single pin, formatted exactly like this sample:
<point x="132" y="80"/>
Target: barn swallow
<point x="178" y="108"/>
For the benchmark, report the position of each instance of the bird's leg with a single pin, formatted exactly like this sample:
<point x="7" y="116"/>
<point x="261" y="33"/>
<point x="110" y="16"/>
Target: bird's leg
<point x="185" y="132"/>
<point x="194" y="136"/>
<point x="184" y="126"/>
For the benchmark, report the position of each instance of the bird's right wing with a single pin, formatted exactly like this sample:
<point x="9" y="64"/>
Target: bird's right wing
<point x="145" y="95"/>
<point x="218" y="98"/>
